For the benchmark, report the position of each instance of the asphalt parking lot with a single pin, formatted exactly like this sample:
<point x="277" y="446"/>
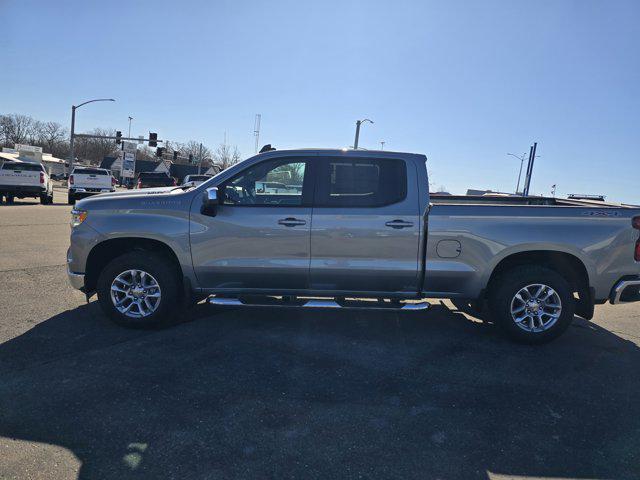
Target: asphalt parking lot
<point x="284" y="393"/>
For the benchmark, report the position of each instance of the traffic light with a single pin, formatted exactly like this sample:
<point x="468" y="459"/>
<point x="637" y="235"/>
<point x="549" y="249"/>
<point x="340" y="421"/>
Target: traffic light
<point x="118" y="137"/>
<point x="159" y="152"/>
<point x="175" y="155"/>
<point x="191" y="158"/>
<point x="153" y="137"/>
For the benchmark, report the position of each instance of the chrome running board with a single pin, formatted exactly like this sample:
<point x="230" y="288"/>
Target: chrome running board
<point x="321" y="303"/>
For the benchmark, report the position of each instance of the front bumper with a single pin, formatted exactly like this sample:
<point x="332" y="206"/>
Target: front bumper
<point x="627" y="290"/>
<point x="75" y="279"/>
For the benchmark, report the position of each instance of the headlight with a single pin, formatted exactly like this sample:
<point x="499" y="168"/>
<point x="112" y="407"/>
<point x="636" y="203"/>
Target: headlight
<point x="77" y="217"/>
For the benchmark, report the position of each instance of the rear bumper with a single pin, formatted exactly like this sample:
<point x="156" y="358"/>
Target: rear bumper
<point x="87" y="192"/>
<point x="22" y="190"/>
<point x="627" y="290"/>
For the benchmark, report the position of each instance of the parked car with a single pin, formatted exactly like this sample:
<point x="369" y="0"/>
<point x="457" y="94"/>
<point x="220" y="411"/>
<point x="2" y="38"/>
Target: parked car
<point x="195" y="180"/>
<point x="86" y="181"/>
<point x="362" y="226"/>
<point x="23" y="180"/>
<point x="154" y="179"/>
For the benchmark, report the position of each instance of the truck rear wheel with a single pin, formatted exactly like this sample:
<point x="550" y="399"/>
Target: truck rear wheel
<point x="139" y="290"/>
<point x="532" y="304"/>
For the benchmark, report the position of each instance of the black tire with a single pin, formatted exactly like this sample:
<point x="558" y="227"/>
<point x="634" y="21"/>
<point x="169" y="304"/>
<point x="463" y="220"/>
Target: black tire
<point x="9" y="199"/>
<point x="507" y="285"/>
<point x="163" y="272"/>
<point x="71" y="200"/>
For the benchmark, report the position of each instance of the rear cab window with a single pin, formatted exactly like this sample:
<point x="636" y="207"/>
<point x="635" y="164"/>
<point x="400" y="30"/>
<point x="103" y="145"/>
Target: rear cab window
<point x="23" y="167"/>
<point x="89" y="171"/>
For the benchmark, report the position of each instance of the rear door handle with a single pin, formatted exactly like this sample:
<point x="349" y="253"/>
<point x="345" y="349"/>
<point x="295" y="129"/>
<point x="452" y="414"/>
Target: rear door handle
<point x="291" y="222"/>
<point x="399" y="224"/>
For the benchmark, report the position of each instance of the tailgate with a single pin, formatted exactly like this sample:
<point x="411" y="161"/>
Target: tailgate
<point x="91" y="180"/>
<point x="20" y="178"/>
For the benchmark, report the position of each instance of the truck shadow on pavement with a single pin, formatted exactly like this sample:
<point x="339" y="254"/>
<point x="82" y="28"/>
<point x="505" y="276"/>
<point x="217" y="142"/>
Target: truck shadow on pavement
<point x="257" y="393"/>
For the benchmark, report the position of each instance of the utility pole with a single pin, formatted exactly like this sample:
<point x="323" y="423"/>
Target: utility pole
<point x="358" y="123"/>
<point x="130" y="118"/>
<point x="532" y="157"/>
<point x="521" y="158"/>
<point x="382" y="145"/>
<point x="200" y="160"/>
<point x="73" y="127"/>
<point x="256" y="130"/>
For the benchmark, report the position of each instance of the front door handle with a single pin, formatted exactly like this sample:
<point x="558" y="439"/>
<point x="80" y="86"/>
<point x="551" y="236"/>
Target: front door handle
<point x="399" y="224"/>
<point x="291" y="222"/>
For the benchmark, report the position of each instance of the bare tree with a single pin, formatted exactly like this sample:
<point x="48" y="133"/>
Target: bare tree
<point x="51" y="136"/>
<point x="16" y="128"/>
<point x="225" y="156"/>
<point x="93" y="150"/>
<point x="146" y="153"/>
<point x="193" y="148"/>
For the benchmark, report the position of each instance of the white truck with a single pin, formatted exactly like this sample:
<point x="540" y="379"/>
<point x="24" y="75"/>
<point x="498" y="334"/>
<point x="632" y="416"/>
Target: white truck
<point x="86" y="181"/>
<point x="25" y="179"/>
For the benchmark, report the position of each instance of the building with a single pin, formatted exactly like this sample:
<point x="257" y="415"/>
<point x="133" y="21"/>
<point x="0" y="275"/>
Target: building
<point x="480" y="193"/>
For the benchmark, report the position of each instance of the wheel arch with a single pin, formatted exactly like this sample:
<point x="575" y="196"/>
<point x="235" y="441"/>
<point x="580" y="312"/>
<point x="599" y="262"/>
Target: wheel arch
<point x="102" y="253"/>
<point x="564" y="263"/>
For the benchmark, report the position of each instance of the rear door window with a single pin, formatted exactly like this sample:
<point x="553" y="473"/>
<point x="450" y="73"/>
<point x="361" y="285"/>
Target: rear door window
<point x="361" y="182"/>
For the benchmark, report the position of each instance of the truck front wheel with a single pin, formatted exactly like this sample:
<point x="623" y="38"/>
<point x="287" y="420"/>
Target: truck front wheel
<point x="139" y="290"/>
<point x="532" y="304"/>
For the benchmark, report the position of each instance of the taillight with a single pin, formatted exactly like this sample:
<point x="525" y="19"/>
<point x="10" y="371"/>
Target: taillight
<point x="139" y="184"/>
<point x="174" y="182"/>
<point x="113" y="181"/>
<point x="41" y="177"/>
<point x="70" y="179"/>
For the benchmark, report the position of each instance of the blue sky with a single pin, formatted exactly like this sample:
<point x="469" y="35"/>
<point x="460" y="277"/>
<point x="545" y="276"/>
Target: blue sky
<point x="462" y="82"/>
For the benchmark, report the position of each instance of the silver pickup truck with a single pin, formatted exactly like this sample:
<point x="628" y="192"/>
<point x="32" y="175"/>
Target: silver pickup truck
<point x="352" y="229"/>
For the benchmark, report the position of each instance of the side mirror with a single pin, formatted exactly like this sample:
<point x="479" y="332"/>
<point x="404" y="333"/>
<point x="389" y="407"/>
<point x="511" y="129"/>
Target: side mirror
<point x="210" y="202"/>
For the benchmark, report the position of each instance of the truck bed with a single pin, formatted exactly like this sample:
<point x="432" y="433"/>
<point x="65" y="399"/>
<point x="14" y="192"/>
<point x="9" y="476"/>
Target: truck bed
<point x="500" y="200"/>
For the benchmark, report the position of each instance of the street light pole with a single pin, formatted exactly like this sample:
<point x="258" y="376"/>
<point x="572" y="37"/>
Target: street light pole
<point x="520" y="173"/>
<point x="73" y="127"/>
<point x="130" y="118"/>
<point x="358" y="123"/>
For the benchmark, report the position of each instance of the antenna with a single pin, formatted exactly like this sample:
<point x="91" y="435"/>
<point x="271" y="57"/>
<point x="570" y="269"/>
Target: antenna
<point x="256" y="130"/>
